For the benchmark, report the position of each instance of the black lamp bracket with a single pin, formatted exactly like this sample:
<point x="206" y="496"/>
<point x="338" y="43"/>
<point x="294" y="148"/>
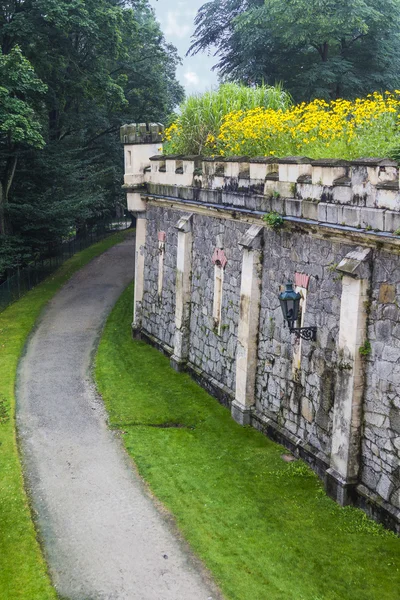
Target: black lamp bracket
<point x="307" y="333"/>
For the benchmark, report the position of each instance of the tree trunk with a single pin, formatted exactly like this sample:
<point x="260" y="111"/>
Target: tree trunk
<point x="2" y="212"/>
<point x="5" y="187"/>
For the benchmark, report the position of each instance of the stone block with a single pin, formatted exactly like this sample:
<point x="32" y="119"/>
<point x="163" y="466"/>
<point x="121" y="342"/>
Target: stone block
<point x="322" y="211"/>
<point x="338" y="488"/>
<point x="385" y="487"/>
<point x="218" y="182"/>
<point x="135" y="202"/>
<point x="392" y="221"/>
<point x="342" y="194"/>
<point x="391" y="354"/>
<point x="326" y="174"/>
<point x="387" y="198"/>
<point x="258" y="171"/>
<point x="395" y="499"/>
<point x="271" y="187"/>
<point x="351" y="216"/>
<point x="291" y="172"/>
<point x="177" y="364"/>
<point x="387" y="293"/>
<point x="285" y="189"/>
<point x="278" y="204"/>
<point x="373" y="218"/>
<point x="310" y="210"/>
<point x="307" y="409"/>
<point x="375" y="419"/>
<point x="241" y="414"/>
<point x="332" y="214"/>
<point x="293" y="207"/>
<point x="232" y="169"/>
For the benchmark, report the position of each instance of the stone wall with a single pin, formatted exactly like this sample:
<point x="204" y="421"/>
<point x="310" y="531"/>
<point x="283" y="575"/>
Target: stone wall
<point x="211" y="351"/>
<point x="159" y="311"/>
<point x="381" y="439"/>
<point x="300" y="400"/>
<point x="333" y="400"/>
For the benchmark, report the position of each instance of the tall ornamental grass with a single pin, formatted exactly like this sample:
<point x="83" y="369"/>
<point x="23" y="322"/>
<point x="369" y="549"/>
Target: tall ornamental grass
<point x="343" y="129"/>
<point x="201" y="115"/>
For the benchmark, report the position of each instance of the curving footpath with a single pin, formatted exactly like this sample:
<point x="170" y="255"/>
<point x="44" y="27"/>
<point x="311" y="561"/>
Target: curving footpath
<point x="103" y="537"/>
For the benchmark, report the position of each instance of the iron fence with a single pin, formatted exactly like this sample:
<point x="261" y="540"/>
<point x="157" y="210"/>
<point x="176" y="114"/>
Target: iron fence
<point x="24" y="279"/>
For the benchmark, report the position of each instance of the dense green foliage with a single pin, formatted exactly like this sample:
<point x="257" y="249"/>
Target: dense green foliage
<point x="23" y="572"/>
<point x="316" y="48"/>
<point x="265" y="528"/>
<point x="71" y="72"/>
<point x="201" y="115"/>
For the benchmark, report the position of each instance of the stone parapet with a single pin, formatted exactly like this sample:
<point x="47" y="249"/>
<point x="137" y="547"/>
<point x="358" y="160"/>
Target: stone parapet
<point x="363" y="193"/>
<point x="141" y="133"/>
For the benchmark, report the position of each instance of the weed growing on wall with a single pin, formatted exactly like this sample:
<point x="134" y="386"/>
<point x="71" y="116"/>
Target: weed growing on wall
<point x="274" y="220"/>
<point x="365" y="349"/>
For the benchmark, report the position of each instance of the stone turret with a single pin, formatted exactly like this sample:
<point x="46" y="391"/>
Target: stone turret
<point x="141" y="141"/>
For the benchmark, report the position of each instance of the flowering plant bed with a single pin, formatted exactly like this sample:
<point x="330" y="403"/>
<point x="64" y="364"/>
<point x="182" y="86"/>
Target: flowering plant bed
<point x="344" y="129"/>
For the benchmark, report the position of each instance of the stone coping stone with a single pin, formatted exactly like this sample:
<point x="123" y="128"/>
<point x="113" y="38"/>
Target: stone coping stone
<point x="373" y="162"/>
<point x="297" y="160"/>
<point x="342" y="181"/>
<point x="330" y="162"/>
<point x="388" y="185"/>
<point x="263" y="160"/>
<point x="193" y="157"/>
<point x="294" y="160"/>
<point x="304" y="179"/>
<point x="239" y="159"/>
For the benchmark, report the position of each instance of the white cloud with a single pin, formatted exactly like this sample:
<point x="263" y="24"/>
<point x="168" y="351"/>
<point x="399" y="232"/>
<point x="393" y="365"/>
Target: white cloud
<point x="175" y="29"/>
<point x="191" y="78"/>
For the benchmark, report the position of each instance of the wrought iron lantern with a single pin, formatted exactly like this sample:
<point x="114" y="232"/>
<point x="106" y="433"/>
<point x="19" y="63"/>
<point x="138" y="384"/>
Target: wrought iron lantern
<point x="290" y="305"/>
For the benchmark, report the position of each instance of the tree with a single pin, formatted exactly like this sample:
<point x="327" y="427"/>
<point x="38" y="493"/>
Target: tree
<point x="316" y="48"/>
<point x="20" y="92"/>
<point x="103" y="62"/>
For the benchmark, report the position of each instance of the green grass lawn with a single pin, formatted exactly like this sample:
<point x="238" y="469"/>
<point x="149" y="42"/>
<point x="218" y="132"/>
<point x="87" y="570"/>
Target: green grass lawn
<point x="264" y="528"/>
<point x="23" y="573"/>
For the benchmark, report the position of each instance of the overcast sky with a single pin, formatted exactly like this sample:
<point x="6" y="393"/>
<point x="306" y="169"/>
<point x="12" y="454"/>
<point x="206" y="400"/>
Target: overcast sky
<point x="176" y="18"/>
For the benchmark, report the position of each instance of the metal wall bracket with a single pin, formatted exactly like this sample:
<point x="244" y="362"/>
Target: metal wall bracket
<point x="307" y="333"/>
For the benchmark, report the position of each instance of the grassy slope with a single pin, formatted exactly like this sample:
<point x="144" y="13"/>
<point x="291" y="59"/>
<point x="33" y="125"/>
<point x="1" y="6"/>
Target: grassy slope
<point x="23" y="574"/>
<point x="264" y="528"/>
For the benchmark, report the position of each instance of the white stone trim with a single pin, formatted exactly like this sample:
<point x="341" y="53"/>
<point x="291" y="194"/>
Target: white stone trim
<point x="183" y="289"/>
<point x="217" y="299"/>
<point x="347" y="414"/>
<point x="141" y="228"/>
<point x="249" y="314"/>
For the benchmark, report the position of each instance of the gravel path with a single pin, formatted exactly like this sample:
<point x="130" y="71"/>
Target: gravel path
<point x="104" y="539"/>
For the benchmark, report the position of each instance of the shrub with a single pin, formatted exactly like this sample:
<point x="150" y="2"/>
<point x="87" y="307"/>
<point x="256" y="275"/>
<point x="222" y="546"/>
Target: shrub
<point x="337" y="129"/>
<point x="198" y="125"/>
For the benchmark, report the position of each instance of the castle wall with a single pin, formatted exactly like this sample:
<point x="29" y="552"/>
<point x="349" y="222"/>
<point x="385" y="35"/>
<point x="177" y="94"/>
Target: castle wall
<point x="212" y="272"/>
<point x="159" y="309"/>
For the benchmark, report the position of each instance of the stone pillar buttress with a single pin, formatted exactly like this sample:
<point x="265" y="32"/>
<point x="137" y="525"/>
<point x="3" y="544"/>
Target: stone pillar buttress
<point x="182" y="293"/>
<point x="141" y="141"/>
<point x="342" y="476"/>
<point x="246" y="355"/>
<point x="141" y="227"/>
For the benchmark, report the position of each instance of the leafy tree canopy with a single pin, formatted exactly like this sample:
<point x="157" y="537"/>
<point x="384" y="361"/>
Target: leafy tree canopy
<point x="316" y="48"/>
<point x="72" y="71"/>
